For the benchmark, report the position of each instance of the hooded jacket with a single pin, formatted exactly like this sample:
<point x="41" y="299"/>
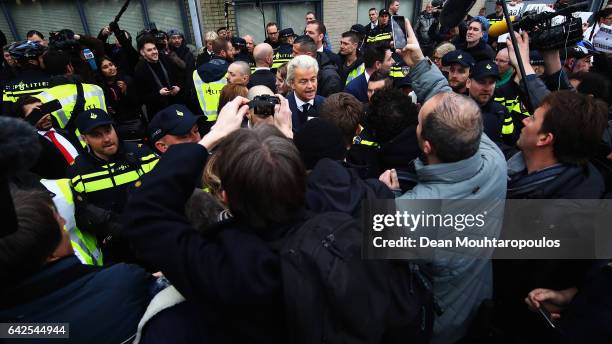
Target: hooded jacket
<point x="183" y="51"/>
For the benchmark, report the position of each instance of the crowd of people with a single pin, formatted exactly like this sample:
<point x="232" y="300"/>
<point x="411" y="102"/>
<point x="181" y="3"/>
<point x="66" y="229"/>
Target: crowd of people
<point x="154" y="193"/>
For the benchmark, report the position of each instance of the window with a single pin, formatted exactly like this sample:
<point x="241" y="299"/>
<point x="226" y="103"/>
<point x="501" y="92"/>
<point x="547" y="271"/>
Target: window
<point x="165" y="14"/>
<point x="45" y="16"/>
<point x="292" y="15"/>
<point x="100" y="13"/>
<point x="250" y="21"/>
<point x="364" y="5"/>
<point x="6" y="29"/>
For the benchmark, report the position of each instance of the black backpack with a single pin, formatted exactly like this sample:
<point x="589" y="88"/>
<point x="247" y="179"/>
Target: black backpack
<point x="332" y="295"/>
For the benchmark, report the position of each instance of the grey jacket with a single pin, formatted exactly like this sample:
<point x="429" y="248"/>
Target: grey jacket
<point x="461" y="282"/>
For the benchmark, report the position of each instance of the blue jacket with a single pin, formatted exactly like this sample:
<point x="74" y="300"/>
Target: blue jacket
<point x="461" y="283"/>
<point x="101" y="305"/>
<point x="359" y="88"/>
<point x="297" y="117"/>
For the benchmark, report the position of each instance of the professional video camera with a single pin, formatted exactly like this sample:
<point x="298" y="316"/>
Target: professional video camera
<point x="546" y="36"/>
<point x="263" y="105"/>
<point x="63" y="40"/>
<point x="543" y="33"/>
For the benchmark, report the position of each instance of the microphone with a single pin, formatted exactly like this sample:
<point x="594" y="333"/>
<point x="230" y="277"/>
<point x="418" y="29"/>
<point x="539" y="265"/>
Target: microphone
<point x="19" y="150"/>
<point x="454" y="11"/>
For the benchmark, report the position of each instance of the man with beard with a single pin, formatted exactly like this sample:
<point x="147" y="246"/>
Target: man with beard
<point x="176" y="41"/>
<point x="481" y="87"/>
<point x="460" y="63"/>
<point x="102" y="178"/>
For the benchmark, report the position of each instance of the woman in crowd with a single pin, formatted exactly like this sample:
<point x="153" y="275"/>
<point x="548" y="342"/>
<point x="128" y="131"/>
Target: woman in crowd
<point x="121" y="101"/>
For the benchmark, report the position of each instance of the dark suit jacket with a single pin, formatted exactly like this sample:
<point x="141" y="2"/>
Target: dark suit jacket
<point x="359" y="88"/>
<point x="298" y="118"/>
<point x="263" y="77"/>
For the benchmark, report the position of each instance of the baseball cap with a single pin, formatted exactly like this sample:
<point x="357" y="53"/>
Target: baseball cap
<point x="483" y="69"/>
<point x="384" y="12"/>
<point x="458" y="56"/>
<point x="90" y="119"/>
<point x="174" y="120"/>
<point x="288" y="32"/>
<point x="239" y="42"/>
<point x="358" y="28"/>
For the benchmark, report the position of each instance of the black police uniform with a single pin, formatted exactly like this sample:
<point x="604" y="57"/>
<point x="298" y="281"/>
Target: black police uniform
<point x="26" y="83"/>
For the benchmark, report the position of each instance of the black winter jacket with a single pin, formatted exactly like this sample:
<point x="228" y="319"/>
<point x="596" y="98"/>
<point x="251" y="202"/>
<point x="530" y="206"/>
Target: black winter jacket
<point x="233" y="275"/>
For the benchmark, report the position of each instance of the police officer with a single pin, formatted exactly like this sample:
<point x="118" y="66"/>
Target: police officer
<point x="285" y="48"/>
<point x="101" y="179"/>
<point x="73" y="98"/>
<point x="173" y="125"/>
<point x="383" y="31"/>
<point x="459" y="63"/>
<point x="240" y="51"/>
<point x="30" y="78"/>
<point x="497" y="122"/>
<point x="209" y="78"/>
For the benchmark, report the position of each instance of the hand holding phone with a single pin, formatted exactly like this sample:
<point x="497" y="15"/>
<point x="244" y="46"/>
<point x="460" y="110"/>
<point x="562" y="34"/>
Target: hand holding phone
<point x="398" y="28"/>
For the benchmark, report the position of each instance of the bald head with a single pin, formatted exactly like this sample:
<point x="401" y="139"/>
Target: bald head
<point x="503" y="61"/>
<point x="258" y="91"/>
<point x="249" y="42"/>
<point x="238" y="73"/>
<point x="263" y="55"/>
<point x="450" y="127"/>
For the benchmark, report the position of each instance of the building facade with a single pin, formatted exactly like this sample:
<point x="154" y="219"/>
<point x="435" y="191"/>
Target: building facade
<point x="193" y="17"/>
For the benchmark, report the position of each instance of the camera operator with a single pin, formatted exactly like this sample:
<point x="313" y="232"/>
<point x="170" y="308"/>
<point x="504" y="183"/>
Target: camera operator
<point x="74" y="45"/>
<point x="122" y="53"/>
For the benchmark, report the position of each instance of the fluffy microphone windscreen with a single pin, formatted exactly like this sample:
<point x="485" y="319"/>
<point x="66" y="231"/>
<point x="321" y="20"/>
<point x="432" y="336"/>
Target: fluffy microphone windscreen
<point x="499" y="28"/>
<point x="19" y="146"/>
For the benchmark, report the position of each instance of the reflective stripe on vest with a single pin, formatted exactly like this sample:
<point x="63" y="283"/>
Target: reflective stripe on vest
<point x="508" y="126"/>
<point x="66" y="95"/>
<point x="92" y="182"/>
<point x="208" y="95"/>
<point x="355" y="73"/>
<point x="85" y="245"/>
<point x="386" y="36"/>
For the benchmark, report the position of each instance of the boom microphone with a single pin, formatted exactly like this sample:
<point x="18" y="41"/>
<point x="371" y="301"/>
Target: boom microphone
<point x="454" y="11"/>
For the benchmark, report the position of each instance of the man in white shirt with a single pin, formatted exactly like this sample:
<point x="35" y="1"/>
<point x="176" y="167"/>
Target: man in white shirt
<point x="303" y="100"/>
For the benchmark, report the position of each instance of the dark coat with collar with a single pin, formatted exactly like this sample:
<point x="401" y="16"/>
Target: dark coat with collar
<point x="297" y="117"/>
<point x="359" y="88"/>
<point x="329" y="81"/>
<point x="263" y="77"/>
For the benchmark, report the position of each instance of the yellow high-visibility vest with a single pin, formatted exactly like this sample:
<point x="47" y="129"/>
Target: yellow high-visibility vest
<point x="67" y="95"/>
<point x="208" y="95"/>
<point x="85" y="245"/>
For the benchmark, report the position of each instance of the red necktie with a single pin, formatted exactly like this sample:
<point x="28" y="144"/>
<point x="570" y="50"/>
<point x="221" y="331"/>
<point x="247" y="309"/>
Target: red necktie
<point x="65" y="153"/>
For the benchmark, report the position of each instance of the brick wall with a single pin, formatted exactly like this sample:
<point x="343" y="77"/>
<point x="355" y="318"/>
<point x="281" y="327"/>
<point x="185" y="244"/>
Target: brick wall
<point x="338" y="16"/>
<point x="212" y="16"/>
